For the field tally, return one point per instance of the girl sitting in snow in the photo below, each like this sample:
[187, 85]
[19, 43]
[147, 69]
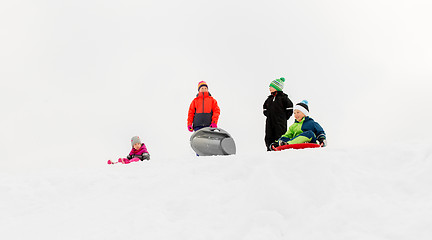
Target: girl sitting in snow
[138, 153]
[139, 150]
[304, 129]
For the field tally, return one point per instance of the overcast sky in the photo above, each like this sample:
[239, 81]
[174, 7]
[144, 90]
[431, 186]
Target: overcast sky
[84, 76]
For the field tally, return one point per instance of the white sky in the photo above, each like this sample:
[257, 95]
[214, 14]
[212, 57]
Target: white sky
[82, 77]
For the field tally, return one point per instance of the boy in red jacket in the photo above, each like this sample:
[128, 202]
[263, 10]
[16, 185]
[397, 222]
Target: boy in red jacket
[204, 110]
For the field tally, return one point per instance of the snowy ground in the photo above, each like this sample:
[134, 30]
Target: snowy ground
[332, 193]
[79, 78]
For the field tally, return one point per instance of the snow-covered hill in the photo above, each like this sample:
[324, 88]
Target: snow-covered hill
[332, 193]
[79, 78]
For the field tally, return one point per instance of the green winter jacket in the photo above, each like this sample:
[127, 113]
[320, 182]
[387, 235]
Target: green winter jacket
[306, 124]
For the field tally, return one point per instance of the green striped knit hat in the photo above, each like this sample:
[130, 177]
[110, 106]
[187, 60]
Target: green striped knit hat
[278, 84]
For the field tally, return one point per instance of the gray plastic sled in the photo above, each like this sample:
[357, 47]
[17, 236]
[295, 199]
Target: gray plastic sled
[212, 141]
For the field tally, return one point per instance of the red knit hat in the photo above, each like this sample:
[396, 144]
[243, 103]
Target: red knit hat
[202, 84]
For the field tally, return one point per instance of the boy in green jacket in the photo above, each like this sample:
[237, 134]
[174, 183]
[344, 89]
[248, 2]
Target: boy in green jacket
[304, 129]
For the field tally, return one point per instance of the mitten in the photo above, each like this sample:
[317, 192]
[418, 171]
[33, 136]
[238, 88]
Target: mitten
[283, 141]
[213, 125]
[190, 128]
[145, 156]
[273, 145]
[323, 142]
[129, 157]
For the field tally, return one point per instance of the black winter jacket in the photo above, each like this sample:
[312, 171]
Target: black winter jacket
[278, 108]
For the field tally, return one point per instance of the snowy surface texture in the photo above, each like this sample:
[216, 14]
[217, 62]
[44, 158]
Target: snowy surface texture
[79, 78]
[331, 193]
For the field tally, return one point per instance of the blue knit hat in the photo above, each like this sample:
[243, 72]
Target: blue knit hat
[278, 84]
[302, 107]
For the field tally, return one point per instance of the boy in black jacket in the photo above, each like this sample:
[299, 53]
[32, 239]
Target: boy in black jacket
[278, 108]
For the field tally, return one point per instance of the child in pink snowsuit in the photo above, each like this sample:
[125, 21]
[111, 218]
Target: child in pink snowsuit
[139, 151]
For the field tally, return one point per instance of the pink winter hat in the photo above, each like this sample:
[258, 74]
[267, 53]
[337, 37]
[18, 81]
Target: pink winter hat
[202, 84]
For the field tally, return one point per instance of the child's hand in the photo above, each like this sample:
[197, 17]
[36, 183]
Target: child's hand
[190, 128]
[213, 125]
[323, 142]
[145, 156]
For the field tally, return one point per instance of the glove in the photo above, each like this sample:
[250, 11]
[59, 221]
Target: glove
[145, 156]
[283, 141]
[273, 145]
[213, 125]
[323, 142]
[190, 128]
[129, 157]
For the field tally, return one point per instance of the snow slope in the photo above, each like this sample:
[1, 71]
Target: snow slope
[332, 193]
[79, 78]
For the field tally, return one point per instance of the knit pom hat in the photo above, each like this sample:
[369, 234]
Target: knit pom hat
[202, 84]
[278, 84]
[302, 107]
[135, 140]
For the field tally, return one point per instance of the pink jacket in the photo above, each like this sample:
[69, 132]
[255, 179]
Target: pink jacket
[140, 151]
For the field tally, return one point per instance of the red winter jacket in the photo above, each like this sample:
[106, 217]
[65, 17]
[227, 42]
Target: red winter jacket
[203, 111]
